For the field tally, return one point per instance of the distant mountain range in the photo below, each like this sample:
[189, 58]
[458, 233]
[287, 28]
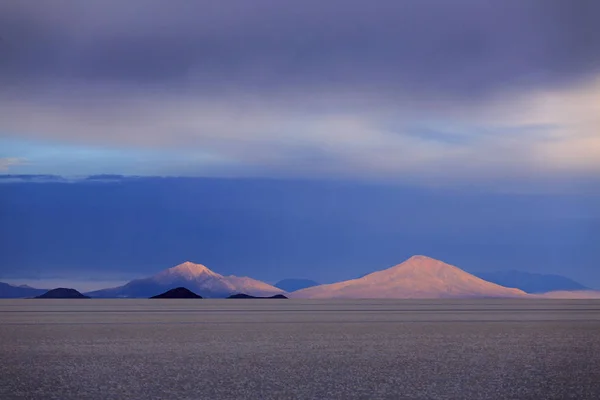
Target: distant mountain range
[417, 277]
[291, 285]
[14, 292]
[530, 282]
[195, 277]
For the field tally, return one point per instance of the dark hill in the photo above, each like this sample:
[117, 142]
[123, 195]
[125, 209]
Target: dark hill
[247, 296]
[177, 293]
[62, 293]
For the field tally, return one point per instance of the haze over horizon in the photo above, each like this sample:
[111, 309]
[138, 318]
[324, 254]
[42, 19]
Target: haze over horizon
[320, 140]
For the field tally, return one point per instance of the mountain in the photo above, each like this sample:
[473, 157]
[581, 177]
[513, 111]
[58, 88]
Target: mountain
[62, 293]
[195, 277]
[418, 277]
[177, 293]
[291, 285]
[247, 296]
[14, 292]
[532, 283]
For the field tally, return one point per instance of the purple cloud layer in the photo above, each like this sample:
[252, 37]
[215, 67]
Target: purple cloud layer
[345, 88]
[464, 48]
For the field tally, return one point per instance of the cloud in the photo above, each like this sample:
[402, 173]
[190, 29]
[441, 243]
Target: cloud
[7, 162]
[394, 90]
[466, 48]
[541, 133]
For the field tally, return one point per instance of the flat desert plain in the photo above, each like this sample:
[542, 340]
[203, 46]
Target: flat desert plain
[299, 349]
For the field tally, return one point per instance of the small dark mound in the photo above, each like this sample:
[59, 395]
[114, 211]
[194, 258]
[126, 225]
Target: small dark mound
[62, 293]
[241, 296]
[177, 293]
[277, 296]
[247, 296]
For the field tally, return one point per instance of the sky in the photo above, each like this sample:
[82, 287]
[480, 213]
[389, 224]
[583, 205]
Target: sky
[464, 104]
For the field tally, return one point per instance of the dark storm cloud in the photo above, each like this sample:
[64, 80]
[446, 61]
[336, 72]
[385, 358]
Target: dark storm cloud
[372, 90]
[463, 48]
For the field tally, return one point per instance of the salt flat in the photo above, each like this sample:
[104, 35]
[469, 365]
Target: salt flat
[300, 349]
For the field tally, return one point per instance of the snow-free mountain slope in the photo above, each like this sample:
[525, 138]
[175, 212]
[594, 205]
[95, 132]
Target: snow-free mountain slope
[196, 277]
[417, 277]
